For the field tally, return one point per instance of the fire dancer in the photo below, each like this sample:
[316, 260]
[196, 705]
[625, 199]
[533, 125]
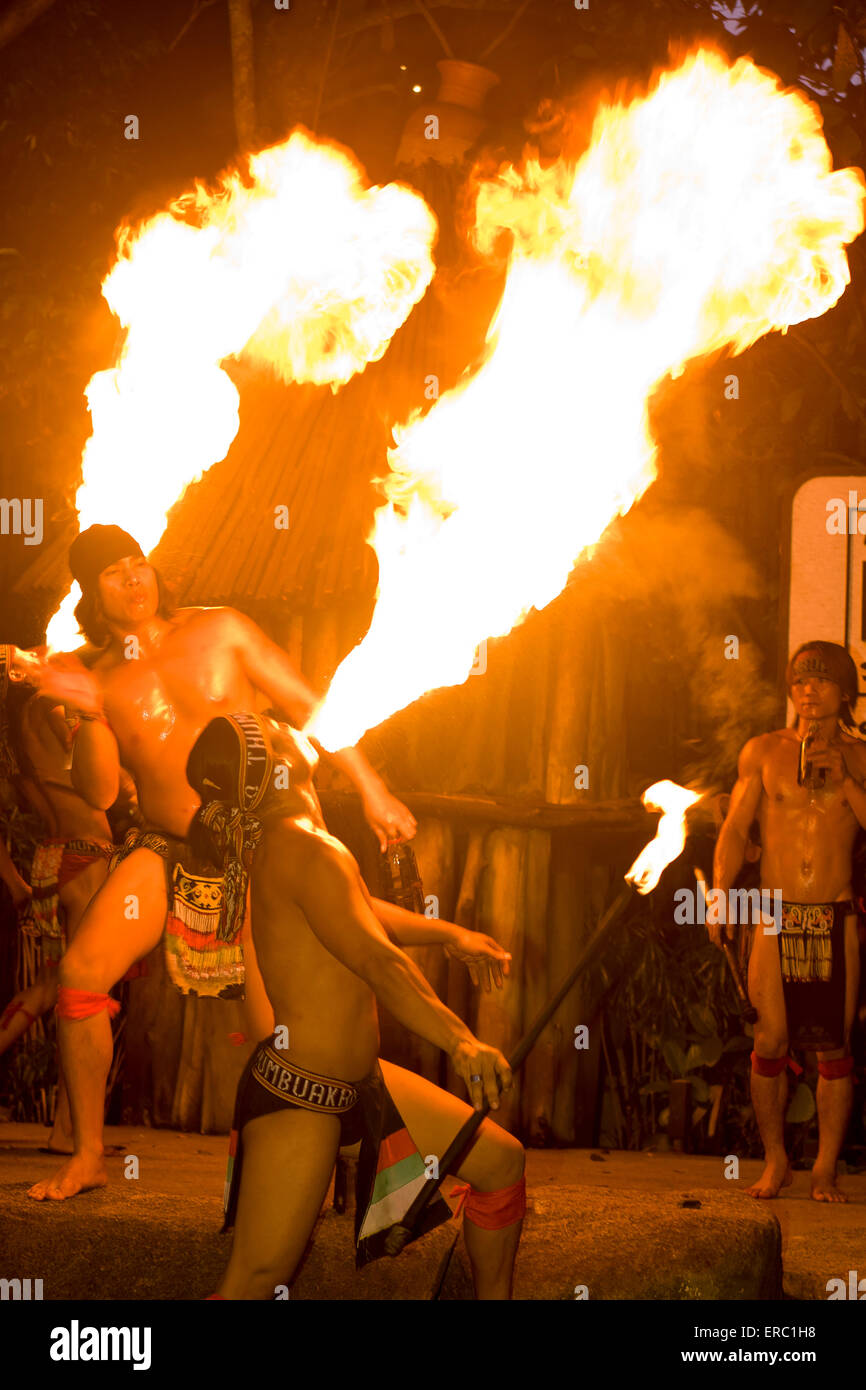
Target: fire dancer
[806, 786]
[317, 1083]
[69, 865]
[155, 679]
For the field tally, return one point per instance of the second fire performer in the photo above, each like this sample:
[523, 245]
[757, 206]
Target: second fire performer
[806, 787]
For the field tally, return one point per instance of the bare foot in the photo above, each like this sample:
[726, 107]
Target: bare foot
[82, 1172]
[824, 1187]
[63, 1144]
[776, 1174]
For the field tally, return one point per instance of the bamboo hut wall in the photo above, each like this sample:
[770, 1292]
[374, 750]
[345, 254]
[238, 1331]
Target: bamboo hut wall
[550, 700]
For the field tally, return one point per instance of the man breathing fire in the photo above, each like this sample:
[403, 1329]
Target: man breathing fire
[155, 679]
[806, 787]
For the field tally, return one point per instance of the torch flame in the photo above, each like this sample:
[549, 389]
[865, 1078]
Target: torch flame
[297, 265]
[705, 214]
[673, 801]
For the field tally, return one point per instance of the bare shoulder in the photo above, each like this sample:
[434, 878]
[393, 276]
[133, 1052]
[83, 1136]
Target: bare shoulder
[218, 620]
[755, 753]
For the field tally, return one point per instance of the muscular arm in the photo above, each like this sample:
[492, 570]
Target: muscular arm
[18, 886]
[855, 795]
[333, 903]
[96, 764]
[269, 669]
[409, 928]
[734, 834]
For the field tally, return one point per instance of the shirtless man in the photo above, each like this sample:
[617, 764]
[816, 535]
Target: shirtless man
[68, 866]
[324, 947]
[156, 678]
[806, 786]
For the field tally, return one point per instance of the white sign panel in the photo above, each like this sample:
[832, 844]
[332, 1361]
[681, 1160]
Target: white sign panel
[828, 566]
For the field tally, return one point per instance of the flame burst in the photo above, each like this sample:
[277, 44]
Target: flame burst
[703, 215]
[673, 801]
[295, 264]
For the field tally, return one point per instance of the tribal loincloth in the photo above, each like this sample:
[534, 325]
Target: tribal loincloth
[391, 1170]
[203, 951]
[812, 956]
[56, 863]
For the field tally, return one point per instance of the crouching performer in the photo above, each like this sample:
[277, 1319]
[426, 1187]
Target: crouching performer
[153, 678]
[806, 787]
[326, 953]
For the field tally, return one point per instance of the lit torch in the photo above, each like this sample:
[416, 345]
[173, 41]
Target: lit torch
[670, 838]
[673, 801]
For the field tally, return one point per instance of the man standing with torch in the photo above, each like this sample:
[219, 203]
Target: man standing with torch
[156, 678]
[805, 785]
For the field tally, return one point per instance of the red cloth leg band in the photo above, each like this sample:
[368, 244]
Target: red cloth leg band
[492, 1211]
[768, 1066]
[773, 1066]
[82, 1003]
[836, 1068]
[238, 1039]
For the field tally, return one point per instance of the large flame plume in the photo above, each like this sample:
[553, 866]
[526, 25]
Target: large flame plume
[670, 838]
[294, 263]
[703, 215]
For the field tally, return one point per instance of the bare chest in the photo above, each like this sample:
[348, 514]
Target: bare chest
[170, 695]
[785, 796]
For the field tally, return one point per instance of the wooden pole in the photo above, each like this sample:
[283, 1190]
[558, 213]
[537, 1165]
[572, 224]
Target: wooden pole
[401, 1232]
[243, 71]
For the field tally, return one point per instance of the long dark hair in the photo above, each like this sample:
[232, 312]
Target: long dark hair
[91, 618]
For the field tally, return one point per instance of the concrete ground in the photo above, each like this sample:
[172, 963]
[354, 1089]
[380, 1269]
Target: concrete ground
[603, 1226]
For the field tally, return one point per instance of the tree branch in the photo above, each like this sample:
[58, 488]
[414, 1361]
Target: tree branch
[20, 17]
[819, 357]
[326, 65]
[198, 8]
[243, 71]
[409, 7]
[506, 31]
[449, 52]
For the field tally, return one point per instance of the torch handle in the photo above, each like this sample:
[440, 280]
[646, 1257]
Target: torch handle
[460, 1144]
[747, 1008]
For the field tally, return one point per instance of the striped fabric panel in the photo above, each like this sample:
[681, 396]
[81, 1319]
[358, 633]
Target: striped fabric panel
[391, 1208]
[400, 1172]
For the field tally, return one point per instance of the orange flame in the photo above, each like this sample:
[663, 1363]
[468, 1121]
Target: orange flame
[673, 801]
[297, 265]
[705, 214]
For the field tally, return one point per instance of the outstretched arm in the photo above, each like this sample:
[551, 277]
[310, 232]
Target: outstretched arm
[18, 886]
[270, 670]
[327, 886]
[95, 759]
[483, 957]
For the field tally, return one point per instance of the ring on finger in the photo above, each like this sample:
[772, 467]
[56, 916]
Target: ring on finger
[475, 1078]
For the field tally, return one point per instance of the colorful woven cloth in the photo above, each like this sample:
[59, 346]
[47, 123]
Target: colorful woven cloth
[812, 957]
[390, 1169]
[200, 957]
[56, 863]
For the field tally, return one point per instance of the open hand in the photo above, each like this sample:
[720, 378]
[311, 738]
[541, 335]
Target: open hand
[72, 685]
[483, 957]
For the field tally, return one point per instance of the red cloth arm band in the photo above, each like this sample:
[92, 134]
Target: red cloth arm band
[82, 1003]
[492, 1211]
[836, 1068]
